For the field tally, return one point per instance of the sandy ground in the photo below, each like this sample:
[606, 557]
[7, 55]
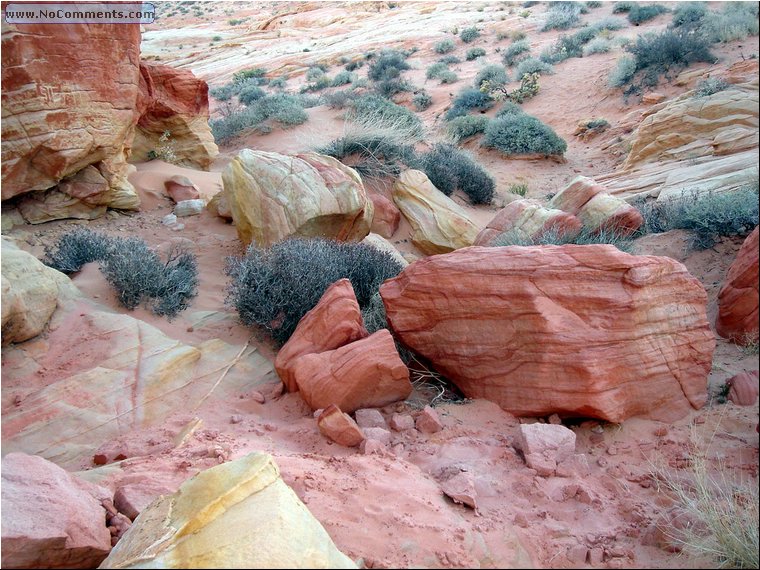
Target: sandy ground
[387, 510]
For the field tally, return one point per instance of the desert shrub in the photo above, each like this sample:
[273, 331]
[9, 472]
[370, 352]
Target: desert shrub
[736, 21]
[275, 287]
[533, 65]
[689, 14]
[641, 13]
[553, 237]
[281, 108]
[470, 34]
[376, 108]
[514, 50]
[710, 86]
[339, 99]
[670, 49]
[223, 93]
[509, 108]
[562, 16]
[444, 46]
[353, 65]
[435, 70]
[422, 101]
[708, 215]
[610, 23]
[314, 73]
[388, 65]
[593, 4]
[278, 83]
[390, 87]
[75, 249]
[523, 134]
[467, 99]
[475, 53]
[448, 76]
[597, 45]
[623, 7]
[450, 60]
[251, 94]
[343, 78]
[450, 168]
[462, 127]
[623, 73]
[495, 75]
[519, 189]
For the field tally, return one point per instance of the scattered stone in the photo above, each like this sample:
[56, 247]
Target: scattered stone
[370, 417]
[378, 434]
[131, 499]
[744, 388]
[596, 555]
[401, 422]
[258, 397]
[577, 554]
[554, 419]
[236, 418]
[339, 427]
[181, 188]
[188, 208]
[169, 220]
[428, 421]
[461, 489]
[545, 446]
[372, 446]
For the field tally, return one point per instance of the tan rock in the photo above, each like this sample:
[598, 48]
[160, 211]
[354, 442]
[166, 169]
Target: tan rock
[738, 298]
[573, 330]
[236, 515]
[53, 129]
[366, 373]
[173, 101]
[744, 388]
[335, 321]
[439, 225]
[529, 220]
[339, 427]
[386, 217]
[273, 196]
[595, 208]
[382, 244]
[219, 206]
[30, 293]
[51, 519]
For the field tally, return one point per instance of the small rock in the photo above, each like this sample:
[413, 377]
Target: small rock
[339, 427]
[596, 555]
[372, 446]
[461, 489]
[577, 554]
[401, 422]
[236, 418]
[428, 421]
[258, 397]
[378, 434]
[545, 446]
[181, 188]
[169, 220]
[370, 417]
[554, 419]
[188, 208]
[100, 459]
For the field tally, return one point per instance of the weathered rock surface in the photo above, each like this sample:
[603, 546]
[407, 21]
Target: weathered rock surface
[65, 108]
[528, 219]
[545, 446]
[240, 514]
[174, 101]
[382, 244]
[366, 373]
[370, 418]
[428, 421]
[51, 519]
[738, 297]
[339, 427]
[595, 208]
[335, 321]
[574, 330]
[131, 499]
[439, 225]
[273, 196]
[30, 292]
[386, 217]
[181, 188]
[461, 489]
[744, 388]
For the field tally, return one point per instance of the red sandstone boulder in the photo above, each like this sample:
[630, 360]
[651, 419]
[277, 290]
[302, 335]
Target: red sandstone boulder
[335, 321]
[51, 519]
[545, 446]
[743, 388]
[173, 101]
[181, 188]
[367, 373]
[339, 427]
[386, 217]
[738, 298]
[530, 220]
[584, 331]
[596, 208]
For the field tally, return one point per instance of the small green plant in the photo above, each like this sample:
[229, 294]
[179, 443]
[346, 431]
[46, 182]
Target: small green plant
[554, 236]
[689, 14]
[387, 65]
[444, 46]
[278, 83]
[623, 7]
[512, 53]
[623, 73]
[470, 34]
[597, 45]
[448, 77]
[282, 108]
[450, 168]
[475, 53]
[250, 94]
[495, 75]
[641, 13]
[245, 74]
[523, 134]
[533, 65]
[422, 101]
[710, 86]
[466, 126]
[562, 16]
[519, 189]
[216, 39]
[165, 149]
[467, 99]
[735, 21]
[343, 78]
[435, 70]
[450, 60]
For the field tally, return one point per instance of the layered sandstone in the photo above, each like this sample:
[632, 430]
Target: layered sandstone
[738, 298]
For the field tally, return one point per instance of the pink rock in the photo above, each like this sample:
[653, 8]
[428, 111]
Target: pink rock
[365, 373]
[738, 298]
[545, 446]
[530, 219]
[335, 321]
[387, 216]
[461, 489]
[339, 427]
[371, 446]
[744, 388]
[401, 422]
[370, 417]
[181, 188]
[574, 330]
[51, 519]
[428, 421]
[132, 498]
[653, 98]
[378, 434]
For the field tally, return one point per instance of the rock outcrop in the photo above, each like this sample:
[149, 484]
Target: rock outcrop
[30, 292]
[386, 217]
[240, 514]
[51, 519]
[439, 225]
[596, 208]
[738, 298]
[65, 108]
[274, 196]
[574, 330]
[743, 388]
[173, 101]
[528, 220]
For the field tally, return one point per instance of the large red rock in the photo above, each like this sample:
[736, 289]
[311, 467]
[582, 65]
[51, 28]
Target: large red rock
[68, 101]
[387, 216]
[584, 331]
[173, 101]
[367, 373]
[51, 519]
[333, 322]
[529, 219]
[738, 298]
[743, 388]
[596, 208]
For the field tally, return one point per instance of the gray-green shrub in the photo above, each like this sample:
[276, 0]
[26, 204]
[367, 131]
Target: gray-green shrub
[450, 168]
[470, 34]
[435, 70]
[562, 16]
[533, 65]
[466, 126]
[475, 53]
[597, 45]
[388, 65]
[641, 13]
[514, 50]
[444, 46]
[516, 134]
[496, 76]
[75, 249]
[554, 237]
[422, 101]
